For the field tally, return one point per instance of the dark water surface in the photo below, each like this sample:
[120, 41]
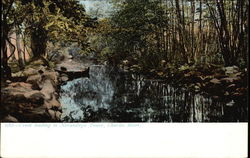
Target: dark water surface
[112, 96]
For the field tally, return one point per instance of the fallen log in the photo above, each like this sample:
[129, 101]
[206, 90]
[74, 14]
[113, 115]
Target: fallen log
[74, 74]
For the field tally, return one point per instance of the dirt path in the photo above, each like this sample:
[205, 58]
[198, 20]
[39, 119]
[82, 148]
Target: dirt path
[72, 64]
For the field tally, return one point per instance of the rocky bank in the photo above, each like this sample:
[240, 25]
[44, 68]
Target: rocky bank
[223, 83]
[32, 95]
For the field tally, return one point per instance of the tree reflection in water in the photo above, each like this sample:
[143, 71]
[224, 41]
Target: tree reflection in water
[112, 96]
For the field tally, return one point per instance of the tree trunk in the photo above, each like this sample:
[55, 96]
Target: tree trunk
[39, 42]
[19, 50]
[5, 69]
[192, 31]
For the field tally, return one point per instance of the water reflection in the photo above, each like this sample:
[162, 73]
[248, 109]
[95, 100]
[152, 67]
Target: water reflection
[112, 96]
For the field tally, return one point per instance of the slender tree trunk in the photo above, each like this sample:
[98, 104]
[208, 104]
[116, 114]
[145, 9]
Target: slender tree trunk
[19, 50]
[181, 30]
[192, 37]
[5, 69]
[200, 52]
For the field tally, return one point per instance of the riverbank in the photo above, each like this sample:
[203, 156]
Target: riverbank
[222, 83]
[32, 95]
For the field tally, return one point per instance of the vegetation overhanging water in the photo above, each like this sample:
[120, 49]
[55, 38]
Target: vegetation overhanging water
[109, 95]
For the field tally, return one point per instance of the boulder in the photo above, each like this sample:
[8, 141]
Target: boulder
[30, 71]
[52, 75]
[35, 97]
[231, 85]
[226, 93]
[9, 118]
[48, 89]
[70, 57]
[52, 114]
[231, 70]
[231, 103]
[58, 115]
[184, 68]
[35, 80]
[20, 84]
[230, 79]
[22, 92]
[8, 81]
[215, 81]
[28, 103]
[52, 103]
[64, 78]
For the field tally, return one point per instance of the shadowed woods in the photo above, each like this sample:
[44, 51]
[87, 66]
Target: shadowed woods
[124, 61]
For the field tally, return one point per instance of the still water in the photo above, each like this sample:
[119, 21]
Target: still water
[109, 95]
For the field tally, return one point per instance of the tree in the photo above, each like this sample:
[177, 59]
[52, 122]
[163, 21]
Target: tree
[8, 23]
[181, 31]
[55, 20]
[230, 21]
[137, 34]
[42, 21]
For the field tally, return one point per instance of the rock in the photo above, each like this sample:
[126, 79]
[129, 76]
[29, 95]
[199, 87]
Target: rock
[40, 72]
[48, 89]
[231, 103]
[160, 73]
[226, 93]
[17, 74]
[34, 79]
[70, 57]
[105, 63]
[152, 70]
[51, 75]
[19, 87]
[241, 90]
[31, 99]
[215, 81]
[64, 78]
[163, 62]
[230, 79]
[231, 70]
[215, 97]
[184, 68]
[198, 84]
[237, 74]
[125, 62]
[36, 63]
[23, 93]
[205, 78]
[8, 81]
[30, 71]
[52, 103]
[63, 68]
[52, 114]
[237, 94]
[35, 97]
[196, 87]
[9, 118]
[58, 115]
[231, 86]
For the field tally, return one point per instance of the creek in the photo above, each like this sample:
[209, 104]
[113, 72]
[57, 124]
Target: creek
[111, 95]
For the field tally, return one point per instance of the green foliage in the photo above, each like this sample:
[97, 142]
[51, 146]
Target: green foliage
[179, 32]
[53, 20]
[60, 20]
[136, 26]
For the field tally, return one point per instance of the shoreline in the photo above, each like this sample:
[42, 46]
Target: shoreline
[35, 97]
[32, 95]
